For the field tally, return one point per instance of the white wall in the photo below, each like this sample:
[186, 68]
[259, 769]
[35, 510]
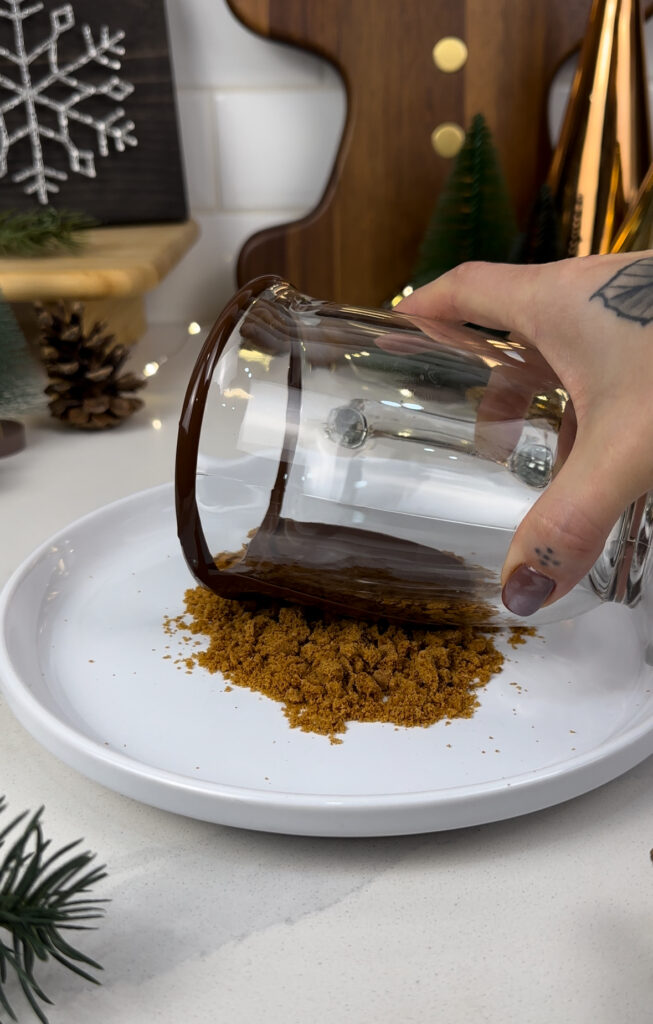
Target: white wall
[260, 124]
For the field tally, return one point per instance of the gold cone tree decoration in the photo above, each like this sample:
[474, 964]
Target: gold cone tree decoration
[604, 150]
[636, 232]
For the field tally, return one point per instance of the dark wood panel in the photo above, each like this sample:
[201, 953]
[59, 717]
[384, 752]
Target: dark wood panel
[142, 183]
[359, 244]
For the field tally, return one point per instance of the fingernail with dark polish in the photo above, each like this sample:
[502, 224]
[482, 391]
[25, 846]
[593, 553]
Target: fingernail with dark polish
[526, 590]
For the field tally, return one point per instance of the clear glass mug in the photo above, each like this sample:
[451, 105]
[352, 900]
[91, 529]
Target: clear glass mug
[374, 463]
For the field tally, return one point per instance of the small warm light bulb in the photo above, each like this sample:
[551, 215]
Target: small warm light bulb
[194, 327]
[150, 369]
[157, 424]
[406, 392]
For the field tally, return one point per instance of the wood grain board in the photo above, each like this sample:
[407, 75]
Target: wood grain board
[115, 262]
[110, 275]
[359, 244]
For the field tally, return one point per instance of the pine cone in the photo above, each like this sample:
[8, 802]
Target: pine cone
[84, 366]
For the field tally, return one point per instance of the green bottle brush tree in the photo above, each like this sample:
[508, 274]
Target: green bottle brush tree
[473, 218]
[21, 378]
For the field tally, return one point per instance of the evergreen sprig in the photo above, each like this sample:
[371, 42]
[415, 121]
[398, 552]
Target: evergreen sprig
[42, 894]
[41, 232]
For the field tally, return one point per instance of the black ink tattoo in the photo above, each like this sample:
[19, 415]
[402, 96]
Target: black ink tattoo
[545, 556]
[629, 293]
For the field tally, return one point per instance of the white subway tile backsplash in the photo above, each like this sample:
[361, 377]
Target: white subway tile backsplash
[198, 146]
[211, 48]
[276, 149]
[199, 286]
[216, 59]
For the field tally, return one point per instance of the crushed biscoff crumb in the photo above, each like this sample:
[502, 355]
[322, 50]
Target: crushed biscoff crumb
[328, 671]
[518, 635]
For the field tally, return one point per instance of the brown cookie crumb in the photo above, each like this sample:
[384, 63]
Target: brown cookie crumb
[328, 671]
[519, 634]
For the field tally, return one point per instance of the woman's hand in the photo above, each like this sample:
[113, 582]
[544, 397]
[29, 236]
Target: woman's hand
[592, 320]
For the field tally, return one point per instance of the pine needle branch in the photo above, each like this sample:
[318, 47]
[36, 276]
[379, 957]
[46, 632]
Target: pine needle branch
[42, 232]
[43, 894]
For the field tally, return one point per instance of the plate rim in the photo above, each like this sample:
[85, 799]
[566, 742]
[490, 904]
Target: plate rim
[629, 746]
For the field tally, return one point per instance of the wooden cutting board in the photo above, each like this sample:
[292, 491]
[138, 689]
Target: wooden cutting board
[360, 243]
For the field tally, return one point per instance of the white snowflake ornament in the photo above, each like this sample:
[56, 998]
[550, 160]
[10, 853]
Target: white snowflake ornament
[57, 92]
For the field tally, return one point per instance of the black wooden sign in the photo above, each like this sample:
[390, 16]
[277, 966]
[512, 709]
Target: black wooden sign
[87, 111]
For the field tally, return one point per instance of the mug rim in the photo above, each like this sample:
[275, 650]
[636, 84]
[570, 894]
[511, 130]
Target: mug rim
[196, 551]
[189, 526]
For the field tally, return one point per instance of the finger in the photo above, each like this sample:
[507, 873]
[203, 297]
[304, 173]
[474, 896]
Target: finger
[423, 334]
[496, 295]
[564, 533]
[566, 436]
[503, 408]
[405, 344]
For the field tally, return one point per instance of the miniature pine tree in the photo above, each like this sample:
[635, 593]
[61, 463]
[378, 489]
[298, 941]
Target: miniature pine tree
[21, 383]
[541, 241]
[473, 218]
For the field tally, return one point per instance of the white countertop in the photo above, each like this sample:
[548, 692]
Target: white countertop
[545, 918]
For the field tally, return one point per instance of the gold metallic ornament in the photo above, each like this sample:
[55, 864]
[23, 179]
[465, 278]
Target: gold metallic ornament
[447, 138]
[636, 232]
[450, 54]
[604, 150]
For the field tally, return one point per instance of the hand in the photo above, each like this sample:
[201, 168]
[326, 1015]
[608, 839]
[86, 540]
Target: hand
[591, 318]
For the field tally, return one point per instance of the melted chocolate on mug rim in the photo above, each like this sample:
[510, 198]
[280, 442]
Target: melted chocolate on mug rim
[313, 563]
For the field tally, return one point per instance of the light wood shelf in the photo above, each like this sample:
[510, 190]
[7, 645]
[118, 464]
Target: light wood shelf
[110, 274]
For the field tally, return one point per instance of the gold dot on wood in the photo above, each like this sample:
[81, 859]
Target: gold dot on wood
[450, 54]
[447, 138]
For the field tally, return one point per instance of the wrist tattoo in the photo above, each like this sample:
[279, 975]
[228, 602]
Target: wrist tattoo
[629, 293]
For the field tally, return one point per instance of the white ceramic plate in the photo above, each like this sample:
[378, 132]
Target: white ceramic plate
[82, 665]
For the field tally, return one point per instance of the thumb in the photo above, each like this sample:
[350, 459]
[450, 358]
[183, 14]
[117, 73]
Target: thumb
[564, 533]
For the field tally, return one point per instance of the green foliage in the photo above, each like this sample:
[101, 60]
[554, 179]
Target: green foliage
[41, 232]
[541, 241]
[21, 380]
[42, 894]
[473, 218]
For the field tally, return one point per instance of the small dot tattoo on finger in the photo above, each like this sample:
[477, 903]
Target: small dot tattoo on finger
[546, 557]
